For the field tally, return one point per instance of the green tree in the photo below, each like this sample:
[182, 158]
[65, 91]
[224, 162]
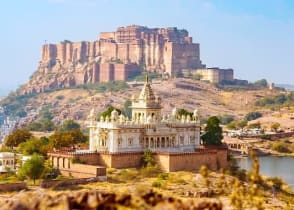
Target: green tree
[47, 125]
[34, 126]
[213, 132]
[108, 111]
[275, 126]
[225, 119]
[21, 113]
[46, 114]
[33, 145]
[16, 137]
[184, 112]
[242, 124]
[254, 125]
[33, 168]
[68, 125]
[127, 109]
[67, 138]
[260, 83]
[148, 159]
[252, 116]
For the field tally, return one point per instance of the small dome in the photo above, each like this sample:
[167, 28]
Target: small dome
[174, 111]
[195, 113]
[114, 114]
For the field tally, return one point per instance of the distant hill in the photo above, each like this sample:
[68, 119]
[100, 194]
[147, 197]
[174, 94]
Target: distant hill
[286, 86]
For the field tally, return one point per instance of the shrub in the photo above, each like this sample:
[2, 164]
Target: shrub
[163, 176]
[60, 97]
[225, 119]
[157, 184]
[150, 171]
[280, 147]
[252, 116]
[276, 182]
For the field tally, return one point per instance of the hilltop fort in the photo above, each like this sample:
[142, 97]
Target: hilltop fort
[115, 56]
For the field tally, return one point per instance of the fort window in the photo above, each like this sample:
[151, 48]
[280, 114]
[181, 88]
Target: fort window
[119, 142]
[130, 141]
[141, 142]
[192, 139]
[0, 162]
[181, 140]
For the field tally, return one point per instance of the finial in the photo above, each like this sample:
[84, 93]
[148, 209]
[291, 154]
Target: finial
[147, 78]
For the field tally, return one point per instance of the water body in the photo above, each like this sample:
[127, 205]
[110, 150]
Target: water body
[282, 167]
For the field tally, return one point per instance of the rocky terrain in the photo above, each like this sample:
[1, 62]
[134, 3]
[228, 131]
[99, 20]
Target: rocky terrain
[103, 200]
[76, 103]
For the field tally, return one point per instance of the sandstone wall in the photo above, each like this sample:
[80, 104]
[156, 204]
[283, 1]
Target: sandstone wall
[128, 160]
[64, 163]
[4, 187]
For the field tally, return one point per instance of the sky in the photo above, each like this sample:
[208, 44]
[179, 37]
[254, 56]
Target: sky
[255, 38]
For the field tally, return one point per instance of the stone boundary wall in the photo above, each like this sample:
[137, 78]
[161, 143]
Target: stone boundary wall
[4, 187]
[67, 182]
[63, 161]
[214, 158]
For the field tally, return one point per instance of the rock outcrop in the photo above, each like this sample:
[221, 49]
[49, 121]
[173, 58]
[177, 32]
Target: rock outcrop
[102, 200]
[114, 56]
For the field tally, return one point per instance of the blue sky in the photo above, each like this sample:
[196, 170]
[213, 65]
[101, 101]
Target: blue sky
[255, 37]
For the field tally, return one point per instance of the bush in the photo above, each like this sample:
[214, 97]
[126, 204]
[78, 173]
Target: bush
[225, 119]
[252, 116]
[59, 97]
[150, 171]
[157, 184]
[280, 147]
[276, 182]
[163, 176]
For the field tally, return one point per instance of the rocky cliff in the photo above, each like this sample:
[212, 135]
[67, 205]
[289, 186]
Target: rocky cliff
[114, 56]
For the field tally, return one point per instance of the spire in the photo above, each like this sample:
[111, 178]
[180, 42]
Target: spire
[147, 92]
[147, 78]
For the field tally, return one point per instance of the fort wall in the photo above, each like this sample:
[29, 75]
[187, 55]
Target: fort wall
[213, 158]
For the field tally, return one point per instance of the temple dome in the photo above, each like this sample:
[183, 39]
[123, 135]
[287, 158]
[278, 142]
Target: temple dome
[147, 93]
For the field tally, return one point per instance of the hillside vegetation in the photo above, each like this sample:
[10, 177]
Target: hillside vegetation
[76, 103]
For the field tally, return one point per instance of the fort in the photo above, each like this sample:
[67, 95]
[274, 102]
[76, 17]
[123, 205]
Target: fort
[115, 56]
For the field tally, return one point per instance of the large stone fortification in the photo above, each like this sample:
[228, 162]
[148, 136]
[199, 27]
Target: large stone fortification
[114, 56]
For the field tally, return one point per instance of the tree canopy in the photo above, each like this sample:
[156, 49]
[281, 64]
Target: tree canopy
[16, 137]
[108, 111]
[184, 112]
[33, 168]
[34, 145]
[127, 109]
[252, 116]
[67, 138]
[68, 125]
[213, 135]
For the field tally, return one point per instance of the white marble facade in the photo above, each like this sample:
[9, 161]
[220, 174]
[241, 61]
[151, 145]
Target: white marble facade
[147, 129]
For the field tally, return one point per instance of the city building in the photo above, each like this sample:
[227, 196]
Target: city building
[7, 162]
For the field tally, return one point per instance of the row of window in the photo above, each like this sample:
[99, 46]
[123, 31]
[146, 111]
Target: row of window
[6, 162]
